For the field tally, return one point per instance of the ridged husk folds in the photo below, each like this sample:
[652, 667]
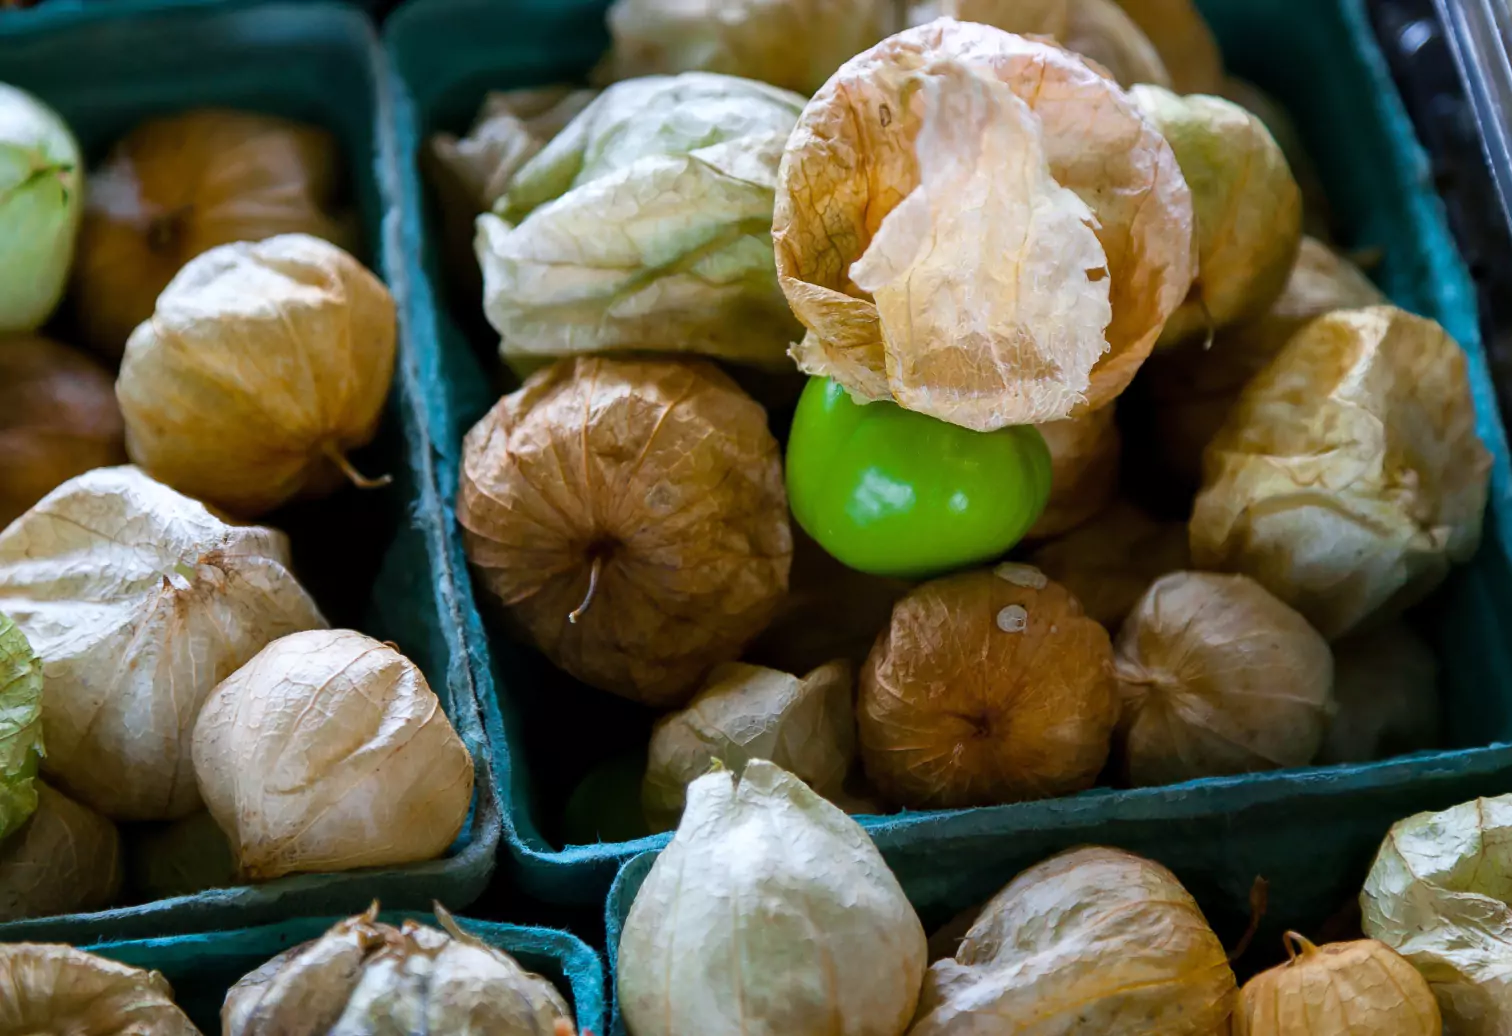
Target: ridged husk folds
[178, 186]
[1348, 477]
[1109, 563]
[932, 189]
[140, 601]
[1186, 44]
[986, 687]
[1386, 689]
[58, 989]
[263, 365]
[1091, 941]
[1219, 677]
[20, 725]
[1084, 455]
[66, 859]
[329, 751]
[661, 479]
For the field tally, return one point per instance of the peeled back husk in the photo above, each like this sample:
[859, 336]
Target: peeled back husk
[58, 989]
[20, 725]
[804, 725]
[770, 913]
[1091, 941]
[329, 751]
[262, 367]
[66, 859]
[1084, 455]
[1104, 32]
[1109, 563]
[1348, 477]
[1385, 684]
[41, 193]
[140, 601]
[1186, 44]
[924, 163]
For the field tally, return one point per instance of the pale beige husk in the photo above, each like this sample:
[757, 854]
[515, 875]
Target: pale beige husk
[329, 751]
[771, 913]
[662, 474]
[1084, 455]
[1438, 894]
[261, 368]
[1361, 988]
[1091, 941]
[986, 687]
[1217, 677]
[934, 187]
[1108, 563]
[805, 725]
[1317, 213]
[139, 601]
[1386, 687]
[1348, 477]
[1248, 206]
[58, 989]
[65, 860]
[1104, 32]
[1186, 44]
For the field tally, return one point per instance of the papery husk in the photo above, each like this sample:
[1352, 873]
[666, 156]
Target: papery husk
[987, 687]
[1249, 209]
[41, 196]
[1348, 477]
[1084, 455]
[20, 725]
[262, 367]
[771, 912]
[1104, 32]
[58, 419]
[660, 477]
[181, 858]
[66, 859]
[1186, 45]
[1093, 940]
[1109, 563]
[1359, 988]
[982, 145]
[58, 989]
[178, 186]
[1438, 894]
[140, 601]
[645, 226]
[1218, 677]
[805, 725]
[329, 751]
[1025, 17]
[1385, 684]
[1317, 213]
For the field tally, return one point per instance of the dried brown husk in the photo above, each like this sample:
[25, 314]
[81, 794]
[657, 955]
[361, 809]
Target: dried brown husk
[65, 860]
[1104, 32]
[987, 687]
[1386, 686]
[1317, 214]
[262, 367]
[1217, 677]
[178, 186]
[1109, 563]
[1348, 477]
[1084, 454]
[924, 162]
[1093, 940]
[631, 517]
[1185, 42]
[58, 419]
[58, 989]
[1362, 988]
[805, 725]
[327, 752]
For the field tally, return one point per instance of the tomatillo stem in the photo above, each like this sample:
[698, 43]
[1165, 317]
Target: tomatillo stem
[593, 581]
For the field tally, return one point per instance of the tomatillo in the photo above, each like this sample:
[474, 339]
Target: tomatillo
[896, 493]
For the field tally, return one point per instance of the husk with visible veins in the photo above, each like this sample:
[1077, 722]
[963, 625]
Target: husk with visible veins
[1093, 940]
[21, 743]
[1185, 43]
[959, 164]
[1386, 687]
[1218, 677]
[961, 706]
[65, 860]
[1084, 454]
[1104, 32]
[140, 601]
[1317, 213]
[664, 477]
[262, 366]
[1348, 477]
[329, 751]
[58, 989]
[1108, 563]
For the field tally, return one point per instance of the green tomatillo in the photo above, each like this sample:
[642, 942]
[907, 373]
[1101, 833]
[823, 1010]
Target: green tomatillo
[897, 493]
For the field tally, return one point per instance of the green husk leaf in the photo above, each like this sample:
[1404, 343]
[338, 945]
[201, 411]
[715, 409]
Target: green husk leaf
[20, 726]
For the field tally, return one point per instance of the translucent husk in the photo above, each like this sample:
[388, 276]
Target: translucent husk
[41, 192]
[65, 860]
[58, 989]
[1348, 477]
[262, 367]
[182, 858]
[1185, 43]
[329, 751]
[986, 687]
[1084, 454]
[1091, 941]
[1385, 684]
[771, 912]
[1219, 677]
[1109, 563]
[20, 725]
[140, 600]
[631, 517]
[968, 145]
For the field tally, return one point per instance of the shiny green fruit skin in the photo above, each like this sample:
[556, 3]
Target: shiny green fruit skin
[895, 493]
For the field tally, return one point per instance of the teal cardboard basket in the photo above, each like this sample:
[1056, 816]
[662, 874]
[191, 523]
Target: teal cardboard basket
[1319, 58]
[377, 561]
[201, 968]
